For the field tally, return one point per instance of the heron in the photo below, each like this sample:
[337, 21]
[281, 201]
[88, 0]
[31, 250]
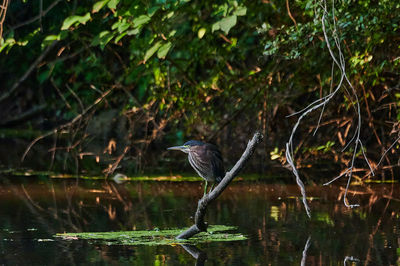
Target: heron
[206, 160]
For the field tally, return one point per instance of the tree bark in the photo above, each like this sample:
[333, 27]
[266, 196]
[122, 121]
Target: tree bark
[200, 225]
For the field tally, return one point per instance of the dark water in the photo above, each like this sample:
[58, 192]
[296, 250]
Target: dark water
[271, 215]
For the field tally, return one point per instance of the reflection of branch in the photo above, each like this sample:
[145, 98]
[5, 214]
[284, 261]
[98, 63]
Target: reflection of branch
[200, 225]
[303, 259]
[350, 258]
[196, 253]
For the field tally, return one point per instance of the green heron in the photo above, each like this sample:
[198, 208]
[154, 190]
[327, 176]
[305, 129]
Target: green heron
[206, 159]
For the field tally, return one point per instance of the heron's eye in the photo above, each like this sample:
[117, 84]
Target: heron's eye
[187, 146]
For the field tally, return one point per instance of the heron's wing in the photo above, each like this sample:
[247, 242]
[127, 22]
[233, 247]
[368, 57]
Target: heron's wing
[199, 162]
[217, 163]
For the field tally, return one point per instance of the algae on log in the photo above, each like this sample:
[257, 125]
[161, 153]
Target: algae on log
[217, 233]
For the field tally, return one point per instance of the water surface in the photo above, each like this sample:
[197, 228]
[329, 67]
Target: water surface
[33, 209]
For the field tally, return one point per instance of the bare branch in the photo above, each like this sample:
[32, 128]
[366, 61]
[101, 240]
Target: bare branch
[3, 12]
[339, 61]
[73, 121]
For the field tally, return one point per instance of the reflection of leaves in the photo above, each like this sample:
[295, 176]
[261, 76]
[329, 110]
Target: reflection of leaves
[324, 217]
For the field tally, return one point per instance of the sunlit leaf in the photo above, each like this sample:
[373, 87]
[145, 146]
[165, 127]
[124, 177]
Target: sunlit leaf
[215, 27]
[113, 4]
[201, 33]
[152, 50]
[240, 11]
[99, 5]
[227, 23]
[141, 20]
[163, 51]
[49, 39]
[119, 37]
[71, 20]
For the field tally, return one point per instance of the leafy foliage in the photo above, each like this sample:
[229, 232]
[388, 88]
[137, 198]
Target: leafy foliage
[190, 68]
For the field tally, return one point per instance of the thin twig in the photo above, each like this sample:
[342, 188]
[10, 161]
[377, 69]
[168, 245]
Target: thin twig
[3, 12]
[290, 13]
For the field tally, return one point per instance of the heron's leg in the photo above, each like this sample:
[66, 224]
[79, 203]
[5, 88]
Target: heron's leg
[205, 188]
[212, 187]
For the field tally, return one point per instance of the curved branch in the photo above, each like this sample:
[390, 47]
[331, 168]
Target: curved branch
[200, 225]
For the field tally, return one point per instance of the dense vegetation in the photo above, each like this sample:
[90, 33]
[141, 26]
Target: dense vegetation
[141, 75]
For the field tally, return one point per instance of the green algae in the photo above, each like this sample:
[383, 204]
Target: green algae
[216, 233]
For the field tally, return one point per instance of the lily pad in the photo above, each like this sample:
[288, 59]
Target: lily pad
[156, 236]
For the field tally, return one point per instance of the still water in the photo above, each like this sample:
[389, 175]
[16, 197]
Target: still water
[279, 232]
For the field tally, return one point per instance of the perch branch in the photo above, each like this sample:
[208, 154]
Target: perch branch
[200, 225]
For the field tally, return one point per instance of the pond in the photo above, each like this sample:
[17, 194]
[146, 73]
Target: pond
[271, 216]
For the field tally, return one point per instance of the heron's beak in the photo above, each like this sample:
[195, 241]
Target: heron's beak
[183, 148]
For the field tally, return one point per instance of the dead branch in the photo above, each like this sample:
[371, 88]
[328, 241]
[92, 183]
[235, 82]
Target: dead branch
[200, 225]
[339, 62]
[3, 11]
[58, 129]
[290, 13]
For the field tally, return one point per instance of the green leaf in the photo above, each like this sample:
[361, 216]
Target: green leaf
[141, 20]
[215, 27]
[102, 39]
[240, 11]
[152, 10]
[99, 5]
[133, 32]
[121, 25]
[71, 20]
[163, 51]
[201, 33]
[227, 23]
[7, 43]
[49, 39]
[113, 4]
[152, 50]
[119, 37]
